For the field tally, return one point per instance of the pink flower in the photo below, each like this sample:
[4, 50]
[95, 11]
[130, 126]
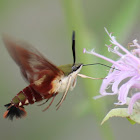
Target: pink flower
[124, 79]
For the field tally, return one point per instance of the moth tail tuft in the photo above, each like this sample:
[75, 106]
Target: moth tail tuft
[13, 111]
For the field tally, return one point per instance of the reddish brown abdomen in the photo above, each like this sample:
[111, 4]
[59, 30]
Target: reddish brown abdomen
[27, 96]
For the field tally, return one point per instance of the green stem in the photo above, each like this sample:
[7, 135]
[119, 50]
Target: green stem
[73, 13]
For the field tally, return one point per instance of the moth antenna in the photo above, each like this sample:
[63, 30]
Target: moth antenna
[73, 47]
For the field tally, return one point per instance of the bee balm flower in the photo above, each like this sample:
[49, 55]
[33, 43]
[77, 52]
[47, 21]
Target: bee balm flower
[123, 78]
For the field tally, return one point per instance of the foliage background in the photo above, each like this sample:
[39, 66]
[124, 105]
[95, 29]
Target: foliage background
[48, 26]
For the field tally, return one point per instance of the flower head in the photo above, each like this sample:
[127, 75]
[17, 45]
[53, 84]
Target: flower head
[124, 76]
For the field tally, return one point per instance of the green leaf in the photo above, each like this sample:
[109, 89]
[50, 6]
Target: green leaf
[131, 121]
[117, 112]
[123, 112]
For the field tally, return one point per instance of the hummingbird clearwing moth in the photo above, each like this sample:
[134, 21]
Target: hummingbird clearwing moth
[45, 79]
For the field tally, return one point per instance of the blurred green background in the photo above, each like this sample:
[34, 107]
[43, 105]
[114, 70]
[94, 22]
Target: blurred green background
[48, 25]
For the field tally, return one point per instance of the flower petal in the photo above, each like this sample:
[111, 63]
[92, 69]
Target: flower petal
[133, 101]
[106, 82]
[124, 90]
[123, 75]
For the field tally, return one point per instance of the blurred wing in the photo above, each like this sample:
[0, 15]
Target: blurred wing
[32, 64]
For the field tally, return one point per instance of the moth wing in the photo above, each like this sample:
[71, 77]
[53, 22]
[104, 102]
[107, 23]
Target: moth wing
[32, 63]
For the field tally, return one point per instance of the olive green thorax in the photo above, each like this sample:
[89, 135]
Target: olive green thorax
[69, 68]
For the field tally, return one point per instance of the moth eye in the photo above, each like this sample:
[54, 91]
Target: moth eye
[74, 68]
